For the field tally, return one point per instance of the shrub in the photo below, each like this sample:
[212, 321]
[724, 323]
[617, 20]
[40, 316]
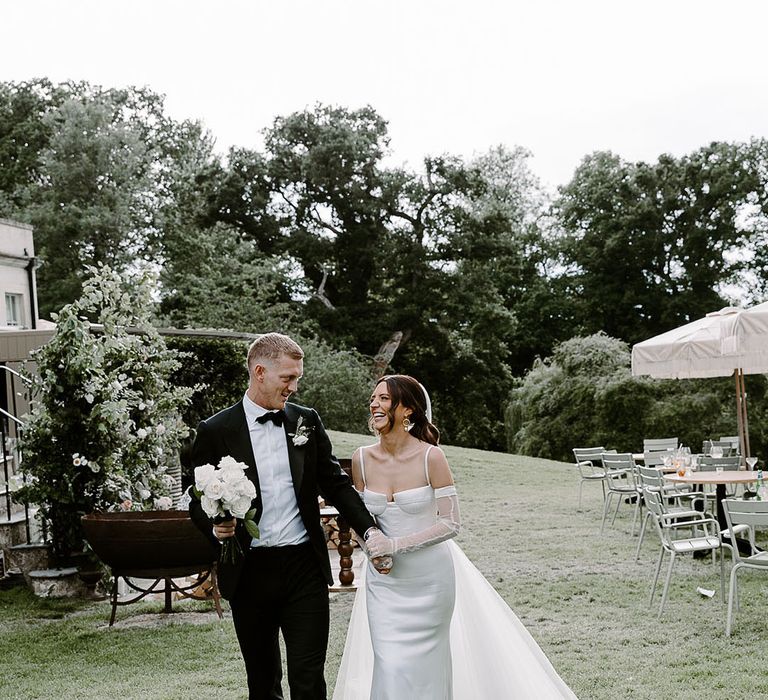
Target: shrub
[585, 395]
[105, 424]
[338, 383]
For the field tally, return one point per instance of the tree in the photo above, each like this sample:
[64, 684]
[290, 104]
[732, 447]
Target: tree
[648, 247]
[24, 133]
[216, 279]
[89, 169]
[439, 258]
[332, 197]
[512, 242]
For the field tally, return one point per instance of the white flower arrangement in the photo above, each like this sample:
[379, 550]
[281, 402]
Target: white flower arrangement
[226, 492]
[93, 435]
[301, 436]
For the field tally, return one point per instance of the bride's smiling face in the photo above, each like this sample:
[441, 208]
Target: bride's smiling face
[383, 416]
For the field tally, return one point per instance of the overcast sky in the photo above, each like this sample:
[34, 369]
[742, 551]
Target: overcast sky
[561, 78]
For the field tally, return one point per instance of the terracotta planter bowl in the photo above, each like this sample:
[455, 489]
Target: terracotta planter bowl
[149, 544]
[162, 545]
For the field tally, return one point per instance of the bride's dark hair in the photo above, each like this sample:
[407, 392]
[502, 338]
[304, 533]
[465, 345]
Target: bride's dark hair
[404, 389]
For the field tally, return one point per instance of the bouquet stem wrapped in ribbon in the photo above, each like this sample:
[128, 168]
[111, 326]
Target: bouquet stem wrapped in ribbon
[225, 492]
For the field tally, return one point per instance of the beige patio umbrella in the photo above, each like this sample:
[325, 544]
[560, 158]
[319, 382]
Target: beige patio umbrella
[731, 341]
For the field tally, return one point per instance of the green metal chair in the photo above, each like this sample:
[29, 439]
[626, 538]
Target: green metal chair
[620, 482]
[590, 465]
[734, 442]
[741, 513]
[668, 528]
[676, 502]
[660, 444]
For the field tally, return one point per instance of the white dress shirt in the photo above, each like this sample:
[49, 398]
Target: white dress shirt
[280, 522]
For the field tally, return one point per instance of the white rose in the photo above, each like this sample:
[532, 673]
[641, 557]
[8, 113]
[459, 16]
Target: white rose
[231, 464]
[240, 507]
[144, 494]
[214, 489]
[160, 429]
[204, 475]
[141, 433]
[210, 507]
[300, 440]
[90, 398]
[248, 488]
[229, 492]
[142, 406]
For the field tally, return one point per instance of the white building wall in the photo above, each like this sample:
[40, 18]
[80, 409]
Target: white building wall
[17, 253]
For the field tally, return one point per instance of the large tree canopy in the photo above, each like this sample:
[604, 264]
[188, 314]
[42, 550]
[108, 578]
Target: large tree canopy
[460, 268]
[91, 170]
[648, 247]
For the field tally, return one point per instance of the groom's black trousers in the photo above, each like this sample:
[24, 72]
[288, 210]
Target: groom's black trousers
[282, 588]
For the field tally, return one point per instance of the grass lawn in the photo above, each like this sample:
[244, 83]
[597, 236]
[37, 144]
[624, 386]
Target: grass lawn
[581, 595]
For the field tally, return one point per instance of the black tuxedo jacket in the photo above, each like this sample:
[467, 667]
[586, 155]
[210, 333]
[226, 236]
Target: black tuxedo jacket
[314, 470]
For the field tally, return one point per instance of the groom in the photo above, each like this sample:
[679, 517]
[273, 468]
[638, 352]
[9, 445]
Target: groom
[281, 581]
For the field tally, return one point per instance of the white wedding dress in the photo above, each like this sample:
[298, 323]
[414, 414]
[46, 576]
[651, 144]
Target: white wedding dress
[434, 628]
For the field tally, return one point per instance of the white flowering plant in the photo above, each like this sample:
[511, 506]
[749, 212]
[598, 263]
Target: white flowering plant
[225, 492]
[105, 425]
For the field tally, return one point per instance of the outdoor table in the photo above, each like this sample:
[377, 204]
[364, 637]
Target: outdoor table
[719, 479]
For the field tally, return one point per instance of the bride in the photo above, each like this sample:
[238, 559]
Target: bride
[431, 627]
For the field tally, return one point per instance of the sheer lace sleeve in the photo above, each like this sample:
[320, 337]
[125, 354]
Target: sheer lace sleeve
[446, 527]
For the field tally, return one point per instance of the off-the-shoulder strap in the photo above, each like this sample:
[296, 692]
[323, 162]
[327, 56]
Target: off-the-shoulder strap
[426, 464]
[362, 465]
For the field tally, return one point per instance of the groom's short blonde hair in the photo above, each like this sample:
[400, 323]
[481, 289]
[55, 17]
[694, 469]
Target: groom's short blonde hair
[272, 346]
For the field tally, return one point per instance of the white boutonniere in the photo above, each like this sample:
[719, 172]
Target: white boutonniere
[301, 436]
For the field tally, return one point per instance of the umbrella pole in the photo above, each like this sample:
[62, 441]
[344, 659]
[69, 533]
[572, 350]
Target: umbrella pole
[739, 414]
[744, 421]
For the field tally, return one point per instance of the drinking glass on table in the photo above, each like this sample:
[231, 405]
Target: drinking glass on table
[751, 463]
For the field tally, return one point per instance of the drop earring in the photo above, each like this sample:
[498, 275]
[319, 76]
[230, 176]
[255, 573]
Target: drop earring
[407, 425]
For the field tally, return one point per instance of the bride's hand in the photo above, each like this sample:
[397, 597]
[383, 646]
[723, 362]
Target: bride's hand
[379, 545]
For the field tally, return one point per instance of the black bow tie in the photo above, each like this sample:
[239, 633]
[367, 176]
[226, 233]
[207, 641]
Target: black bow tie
[277, 417]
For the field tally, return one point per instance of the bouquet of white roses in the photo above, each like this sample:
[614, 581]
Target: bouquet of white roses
[225, 492]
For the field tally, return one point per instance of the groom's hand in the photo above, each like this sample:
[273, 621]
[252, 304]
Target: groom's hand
[224, 529]
[382, 564]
